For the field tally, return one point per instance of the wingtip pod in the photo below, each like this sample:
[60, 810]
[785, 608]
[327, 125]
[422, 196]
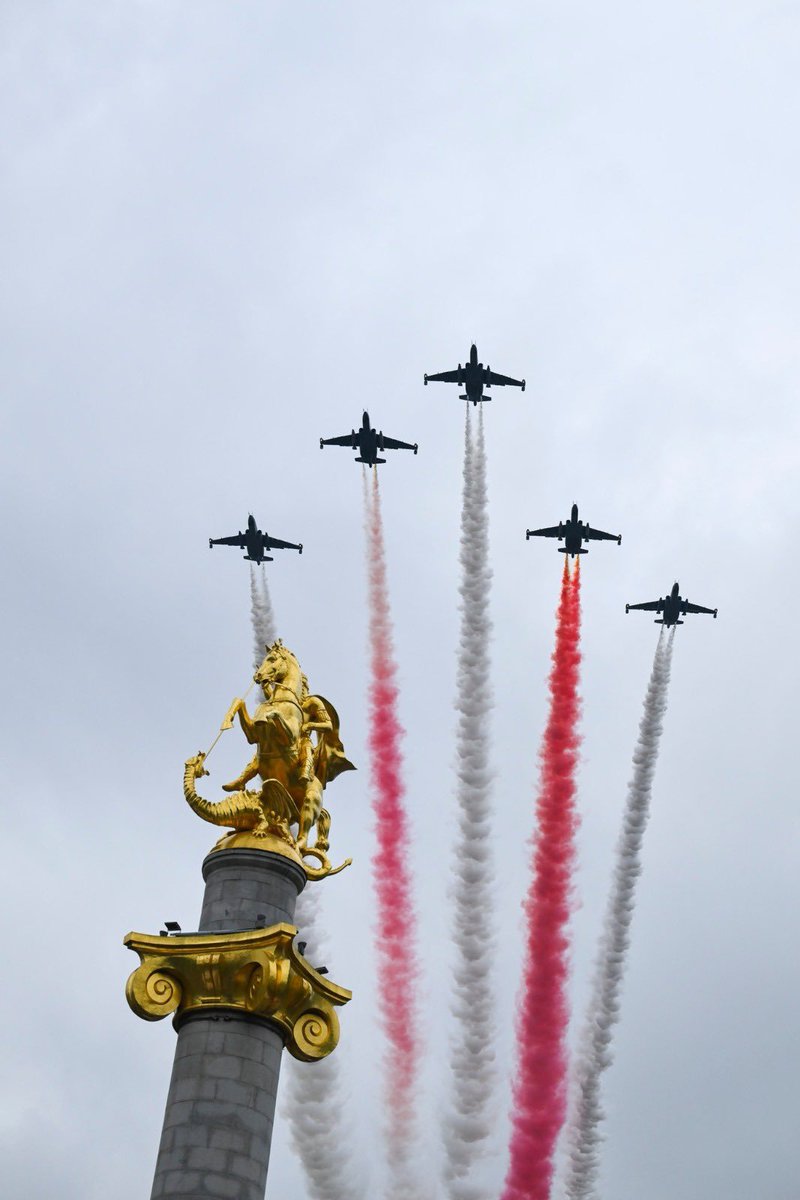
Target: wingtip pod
[425, 380]
[523, 385]
[211, 543]
[321, 444]
[528, 535]
[416, 447]
[627, 608]
[716, 610]
[619, 539]
[300, 548]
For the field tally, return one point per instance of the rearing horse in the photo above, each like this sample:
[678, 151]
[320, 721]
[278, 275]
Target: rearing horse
[276, 727]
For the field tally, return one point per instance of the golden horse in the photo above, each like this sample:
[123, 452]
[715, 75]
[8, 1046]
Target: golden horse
[283, 730]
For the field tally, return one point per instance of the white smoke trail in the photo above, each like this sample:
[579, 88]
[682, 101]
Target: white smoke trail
[262, 615]
[595, 1054]
[317, 1100]
[471, 1114]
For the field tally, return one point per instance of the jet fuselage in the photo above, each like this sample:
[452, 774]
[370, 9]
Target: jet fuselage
[369, 442]
[573, 538]
[254, 544]
[672, 608]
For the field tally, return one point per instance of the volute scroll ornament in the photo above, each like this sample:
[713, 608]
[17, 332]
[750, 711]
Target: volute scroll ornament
[258, 973]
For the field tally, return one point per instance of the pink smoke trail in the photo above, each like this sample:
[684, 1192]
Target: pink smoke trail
[396, 933]
[540, 1086]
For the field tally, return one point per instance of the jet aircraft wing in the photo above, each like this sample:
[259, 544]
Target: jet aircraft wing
[649, 606]
[552, 531]
[688, 607]
[238, 539]
[444, 377]
[598, 535]
[347, 439]
[492, 377]
[394, 444]
[272, 543]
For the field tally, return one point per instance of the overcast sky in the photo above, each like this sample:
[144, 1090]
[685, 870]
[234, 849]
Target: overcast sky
[229, 227]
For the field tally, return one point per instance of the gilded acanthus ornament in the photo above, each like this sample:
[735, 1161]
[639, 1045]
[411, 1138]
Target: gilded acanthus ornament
[298, 752]
[258, 973]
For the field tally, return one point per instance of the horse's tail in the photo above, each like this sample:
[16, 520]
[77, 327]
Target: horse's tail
[323, 830]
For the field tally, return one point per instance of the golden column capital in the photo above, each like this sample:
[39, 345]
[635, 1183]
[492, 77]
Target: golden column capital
[256, 973]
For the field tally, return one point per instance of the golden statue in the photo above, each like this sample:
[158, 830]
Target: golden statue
[298, 752]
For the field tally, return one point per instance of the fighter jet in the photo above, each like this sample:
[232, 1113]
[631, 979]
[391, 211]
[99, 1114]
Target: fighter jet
[368, 441]
[573, 532]
[474, 376]
[672, 608]
[255, 542]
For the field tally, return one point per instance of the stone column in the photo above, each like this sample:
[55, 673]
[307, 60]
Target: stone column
[241, 992]
[221, 1103]
[220, 1108]
[246, 889]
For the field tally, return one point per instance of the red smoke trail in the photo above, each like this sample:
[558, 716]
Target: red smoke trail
[540, 1087]
[396, 918]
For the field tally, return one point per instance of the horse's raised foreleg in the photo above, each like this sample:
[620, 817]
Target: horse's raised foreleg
[247, 724]
[279, 727]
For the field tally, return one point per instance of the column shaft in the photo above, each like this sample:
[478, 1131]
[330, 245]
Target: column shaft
[221, 1103]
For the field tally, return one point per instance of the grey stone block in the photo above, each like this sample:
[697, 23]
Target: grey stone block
[207, 1158]
[230, 1091]
[231, 1139]
[190, 1135]
[171, 1160]
[178, 1112]
[216, 1039]
[194, 1089]
[221, 1185]
[224, 1066]
[254, 1072]
[182, 1183]
[246, 1168]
